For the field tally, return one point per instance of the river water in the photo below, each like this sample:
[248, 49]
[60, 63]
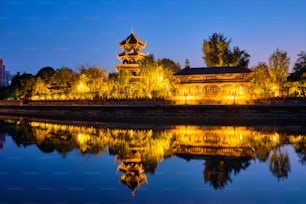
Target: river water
[60, 162]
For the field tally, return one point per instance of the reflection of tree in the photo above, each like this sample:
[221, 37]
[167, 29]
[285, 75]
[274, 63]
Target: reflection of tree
[217, 172]
[262, 153]
[299, 144]
[279, 164]
[150, 160]
[22, 135]
[263, 143]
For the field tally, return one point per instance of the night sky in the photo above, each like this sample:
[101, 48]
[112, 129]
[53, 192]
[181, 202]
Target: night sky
[38, 33]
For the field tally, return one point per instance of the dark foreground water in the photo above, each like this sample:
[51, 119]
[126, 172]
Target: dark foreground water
[59, 163]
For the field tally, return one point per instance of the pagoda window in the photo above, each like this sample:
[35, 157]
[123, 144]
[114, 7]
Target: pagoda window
[125, 62]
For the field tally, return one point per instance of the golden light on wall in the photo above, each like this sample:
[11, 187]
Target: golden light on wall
[81, 87]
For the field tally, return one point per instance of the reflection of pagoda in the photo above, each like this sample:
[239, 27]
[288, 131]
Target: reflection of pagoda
[131, 57]
[132, 167]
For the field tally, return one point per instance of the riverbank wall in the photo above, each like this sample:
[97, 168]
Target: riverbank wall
[164, 113]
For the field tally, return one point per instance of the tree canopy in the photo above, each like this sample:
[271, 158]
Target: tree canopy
[299, 68]
[169, 64]
[279, 66]
[217, 52]
[45, 73]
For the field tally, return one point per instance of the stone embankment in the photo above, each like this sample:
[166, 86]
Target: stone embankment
[162, 112]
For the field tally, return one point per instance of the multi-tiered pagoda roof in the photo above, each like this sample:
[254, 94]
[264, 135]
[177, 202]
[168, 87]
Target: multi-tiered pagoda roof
[131, 50]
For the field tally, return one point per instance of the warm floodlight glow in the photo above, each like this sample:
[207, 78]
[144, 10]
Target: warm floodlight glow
[276, 138]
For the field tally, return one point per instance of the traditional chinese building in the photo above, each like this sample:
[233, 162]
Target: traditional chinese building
[224, 85]
[131, 57]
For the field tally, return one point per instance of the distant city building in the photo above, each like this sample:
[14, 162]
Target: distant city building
[8, 78]
[2, 140]
[131, 57]
[2, 73]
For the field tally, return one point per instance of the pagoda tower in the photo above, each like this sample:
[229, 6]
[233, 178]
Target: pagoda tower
[131, 57]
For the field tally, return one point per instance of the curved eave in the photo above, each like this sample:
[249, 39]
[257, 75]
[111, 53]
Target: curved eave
[123, 56]
[138, 46]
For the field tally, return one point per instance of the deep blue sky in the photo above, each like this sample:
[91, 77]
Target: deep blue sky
[37, 33]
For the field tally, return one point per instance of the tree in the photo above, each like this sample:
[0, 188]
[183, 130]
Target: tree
[94, 78]
[217, 52]
[21, 85]
[63, 79]
[149, 59]
[4, 92]
[169, 65]
[299, 68]
[156, 80]
[239, 58]
[279, 66]
[260, 86]
[45, 73]
[300, 64]
[278, 69]
[40, 88]
[261, 72]
[297, 79]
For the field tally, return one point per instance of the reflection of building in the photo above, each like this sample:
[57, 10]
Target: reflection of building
[195, 150]
[2, 73]
[192, 142]
[132, 166]
[219, 84]
[131, 57]
[225, 149]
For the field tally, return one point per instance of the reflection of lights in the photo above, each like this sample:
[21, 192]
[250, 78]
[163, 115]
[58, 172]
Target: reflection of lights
[275, 138]
[241, 137]
[186, 99]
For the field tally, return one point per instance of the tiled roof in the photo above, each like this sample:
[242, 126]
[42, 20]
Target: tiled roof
[212, 70]
[131, 39]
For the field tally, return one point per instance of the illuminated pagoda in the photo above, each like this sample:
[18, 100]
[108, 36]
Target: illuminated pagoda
[131, 57]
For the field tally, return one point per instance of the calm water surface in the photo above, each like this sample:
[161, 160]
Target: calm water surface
[59, 163]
